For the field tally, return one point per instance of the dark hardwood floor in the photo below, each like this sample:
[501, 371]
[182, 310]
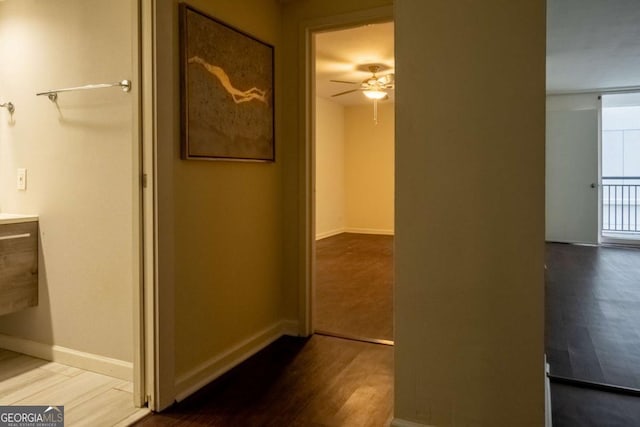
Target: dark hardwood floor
[321, 381]
[581, 407]
[593, 332]
[354, 285]
[593, 313]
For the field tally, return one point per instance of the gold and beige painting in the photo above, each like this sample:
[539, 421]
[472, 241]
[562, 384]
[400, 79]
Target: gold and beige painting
[228, 92]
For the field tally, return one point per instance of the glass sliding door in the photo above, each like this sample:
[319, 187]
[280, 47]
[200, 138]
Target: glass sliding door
[620, 168]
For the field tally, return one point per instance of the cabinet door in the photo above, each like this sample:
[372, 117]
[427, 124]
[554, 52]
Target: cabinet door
[18, 266]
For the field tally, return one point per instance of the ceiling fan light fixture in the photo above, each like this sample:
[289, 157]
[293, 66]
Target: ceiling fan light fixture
[375, 94]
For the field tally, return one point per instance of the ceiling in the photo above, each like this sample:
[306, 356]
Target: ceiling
[344, 54]
[620, 100]
[592, 44]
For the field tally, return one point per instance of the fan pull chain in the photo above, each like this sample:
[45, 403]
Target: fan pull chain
[375, 111]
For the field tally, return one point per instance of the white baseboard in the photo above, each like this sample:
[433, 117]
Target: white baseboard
[91, 362]
[384, 232]
[369, 231]
[399, 422]
[291, 328]
[192, 381]
[325, 234]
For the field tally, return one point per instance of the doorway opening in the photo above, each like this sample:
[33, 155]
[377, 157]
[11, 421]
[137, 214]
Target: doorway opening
[620, 166]
[353, 181]
[80, 342]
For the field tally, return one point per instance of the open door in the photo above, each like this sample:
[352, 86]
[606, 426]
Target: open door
[572, 169]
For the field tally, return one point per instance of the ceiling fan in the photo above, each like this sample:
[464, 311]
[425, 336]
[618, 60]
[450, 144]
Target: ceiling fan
[374, 87]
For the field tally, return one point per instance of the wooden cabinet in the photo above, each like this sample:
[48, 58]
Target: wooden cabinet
[18, 266]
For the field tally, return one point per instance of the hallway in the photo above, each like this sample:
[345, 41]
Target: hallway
[320, 381]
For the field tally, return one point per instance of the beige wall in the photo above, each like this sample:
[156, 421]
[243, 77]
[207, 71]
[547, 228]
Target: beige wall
[330, 168]
[469, 270]
[369, 160]
[221, 222]
[354, 169]
[80, 160]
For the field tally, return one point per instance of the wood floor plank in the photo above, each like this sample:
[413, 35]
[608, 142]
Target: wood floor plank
[125, 386]
[105, 409]
[591, 332]
[139, 414]
[322, 381]
[580, 407]
[26, 384]
[59, 368]
[593, 313]
[72, 392]
[354, 378]
[90, 399]
[349, 414]
[7, 354]
[13, 366]
[354, 285]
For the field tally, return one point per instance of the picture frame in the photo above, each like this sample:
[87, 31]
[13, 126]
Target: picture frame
[227, 91]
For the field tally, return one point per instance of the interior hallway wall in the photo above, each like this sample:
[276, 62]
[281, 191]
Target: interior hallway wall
[470, 138]
[79, 159]
[354, 169]
[220, 222]
[369, 168]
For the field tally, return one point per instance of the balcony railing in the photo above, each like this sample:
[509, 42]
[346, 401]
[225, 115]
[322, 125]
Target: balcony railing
[620, 204]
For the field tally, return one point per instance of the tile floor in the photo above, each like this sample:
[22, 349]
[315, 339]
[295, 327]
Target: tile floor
[89, 399]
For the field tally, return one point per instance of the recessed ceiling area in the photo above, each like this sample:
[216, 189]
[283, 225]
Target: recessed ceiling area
[345, 54]
[592, 44]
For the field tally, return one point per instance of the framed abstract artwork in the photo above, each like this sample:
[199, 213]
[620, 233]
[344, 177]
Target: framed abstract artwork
[226, 91]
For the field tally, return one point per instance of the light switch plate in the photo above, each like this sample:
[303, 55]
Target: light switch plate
[22, 179]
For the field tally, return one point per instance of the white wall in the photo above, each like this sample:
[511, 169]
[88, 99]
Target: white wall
[469, 287]
[369, 172]
[330, 168]
[79, 155]
[571, 167]
[354, 169]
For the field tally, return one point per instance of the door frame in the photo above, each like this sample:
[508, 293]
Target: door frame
[145, 360]
[306, 112]
[139, 394]
[156, 40]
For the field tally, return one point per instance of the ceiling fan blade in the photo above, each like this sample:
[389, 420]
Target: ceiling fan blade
[345, 92]
[343, 81]
[387, 79]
